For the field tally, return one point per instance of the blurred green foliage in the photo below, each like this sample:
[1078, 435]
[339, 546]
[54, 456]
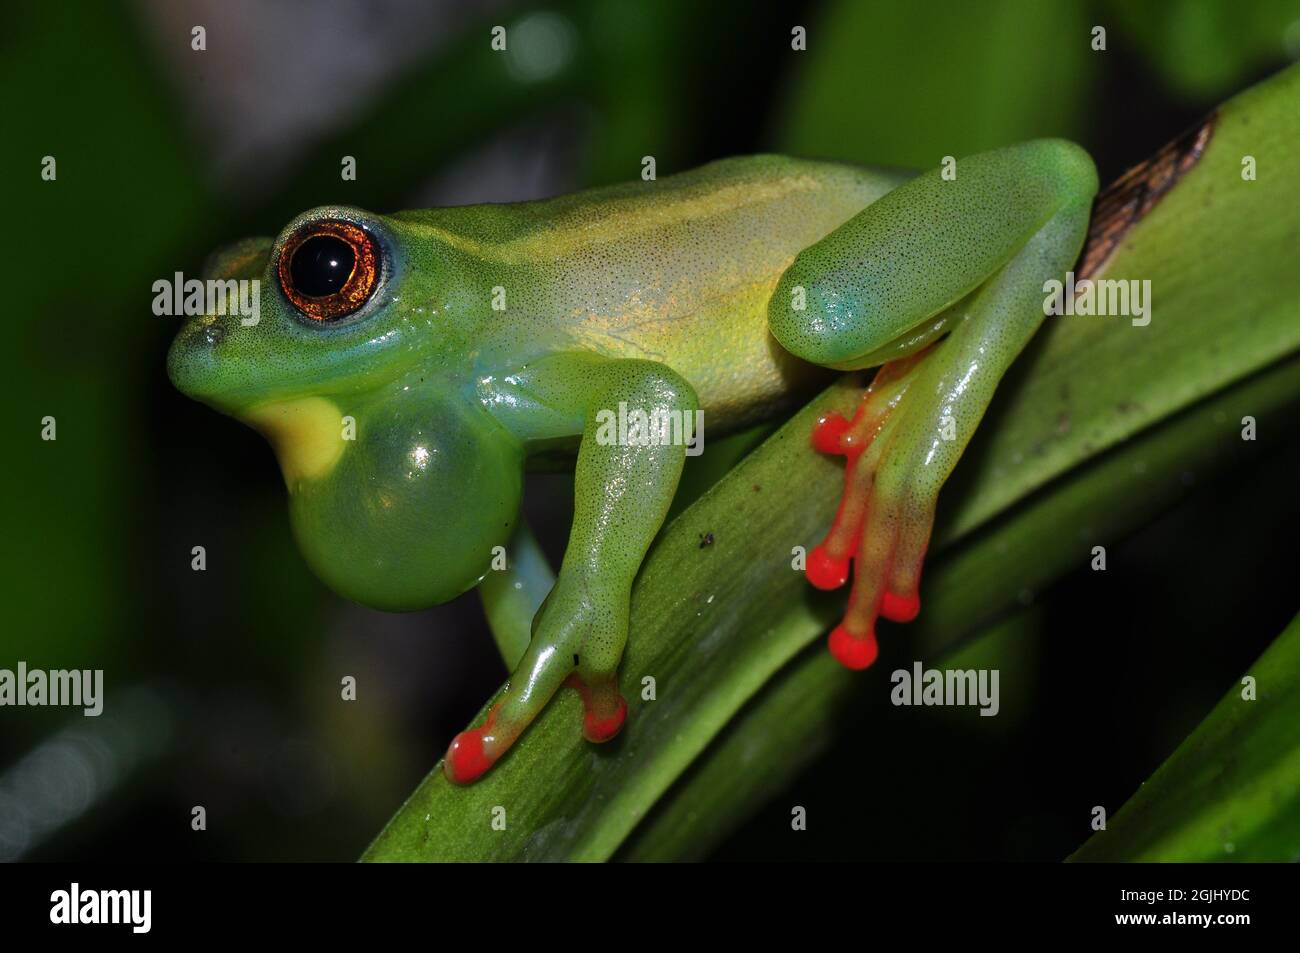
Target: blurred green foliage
[890, 87]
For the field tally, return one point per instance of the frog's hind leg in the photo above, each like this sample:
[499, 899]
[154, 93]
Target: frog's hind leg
[910, 432]
[968, 255]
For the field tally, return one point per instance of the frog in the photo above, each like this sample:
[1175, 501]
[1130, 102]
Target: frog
[409, 368]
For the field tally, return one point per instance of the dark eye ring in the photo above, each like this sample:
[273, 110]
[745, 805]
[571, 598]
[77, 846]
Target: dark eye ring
[328, 270]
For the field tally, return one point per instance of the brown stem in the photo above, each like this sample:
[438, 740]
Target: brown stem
[1126, 200]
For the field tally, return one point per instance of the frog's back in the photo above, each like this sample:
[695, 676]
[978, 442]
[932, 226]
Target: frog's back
[678, 270]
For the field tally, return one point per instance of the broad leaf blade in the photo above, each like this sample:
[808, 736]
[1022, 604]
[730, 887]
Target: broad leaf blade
[797, 715]
[1232, 790]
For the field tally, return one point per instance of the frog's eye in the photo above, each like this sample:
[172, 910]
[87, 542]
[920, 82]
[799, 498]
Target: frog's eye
[329, 269]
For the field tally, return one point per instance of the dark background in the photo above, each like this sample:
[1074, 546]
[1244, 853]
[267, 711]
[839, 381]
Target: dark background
[224, 685]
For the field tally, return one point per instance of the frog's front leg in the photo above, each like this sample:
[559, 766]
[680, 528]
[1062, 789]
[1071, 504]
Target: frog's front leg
[624, 482]
[966, 257]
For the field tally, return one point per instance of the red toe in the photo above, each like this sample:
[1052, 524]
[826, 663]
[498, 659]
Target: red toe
[466, 758]
[602, 729]
[855, 652]
[900, 608]
[826, 436]
[824, 570]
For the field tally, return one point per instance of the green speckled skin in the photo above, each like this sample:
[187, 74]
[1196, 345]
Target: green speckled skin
[653, 294]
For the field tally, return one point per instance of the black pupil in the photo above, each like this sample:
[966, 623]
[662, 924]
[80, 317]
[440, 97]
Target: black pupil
[321, 265]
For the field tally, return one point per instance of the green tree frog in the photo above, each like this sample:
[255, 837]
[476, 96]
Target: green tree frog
[459, 343]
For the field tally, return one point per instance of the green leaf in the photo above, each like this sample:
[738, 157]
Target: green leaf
[714, 623]
[1232, 790]
[793, 719]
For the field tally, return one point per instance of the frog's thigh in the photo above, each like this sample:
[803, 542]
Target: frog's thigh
[920, 250]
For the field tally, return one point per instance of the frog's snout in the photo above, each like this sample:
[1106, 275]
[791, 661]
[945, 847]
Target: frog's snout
[193, 362]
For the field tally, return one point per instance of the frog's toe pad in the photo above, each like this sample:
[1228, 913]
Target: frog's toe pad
[605, 708]
[467, 757]
[598, 729]
[853, 651]
[897, 608]
[828, 434]
[826, 571]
